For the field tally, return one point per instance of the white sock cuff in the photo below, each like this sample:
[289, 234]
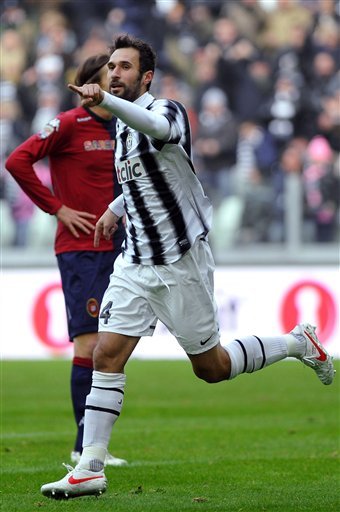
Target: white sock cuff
[90, 453]
[117, 380]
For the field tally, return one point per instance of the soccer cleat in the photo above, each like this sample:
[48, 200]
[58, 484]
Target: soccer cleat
[77, 482]
[110, 460]
[315, 355]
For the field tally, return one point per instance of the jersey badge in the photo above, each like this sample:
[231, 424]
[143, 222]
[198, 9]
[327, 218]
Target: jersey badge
[83, 119]
[49, 128]
[129, 141]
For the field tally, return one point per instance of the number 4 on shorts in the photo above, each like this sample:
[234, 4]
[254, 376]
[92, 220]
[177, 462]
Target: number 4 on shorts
[105, 312]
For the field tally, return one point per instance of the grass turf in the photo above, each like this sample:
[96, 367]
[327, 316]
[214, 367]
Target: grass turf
[263, 442]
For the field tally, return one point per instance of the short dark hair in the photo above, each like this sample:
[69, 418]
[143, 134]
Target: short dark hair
[147, 56]
[89, 71]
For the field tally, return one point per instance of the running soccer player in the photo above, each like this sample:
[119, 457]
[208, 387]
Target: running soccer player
[165, 270]
[80, 145]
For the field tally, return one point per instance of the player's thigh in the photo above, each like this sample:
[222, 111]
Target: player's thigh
[125, 308]
[188, 307]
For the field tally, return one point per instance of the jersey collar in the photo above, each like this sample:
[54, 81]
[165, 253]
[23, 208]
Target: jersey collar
[145, 100]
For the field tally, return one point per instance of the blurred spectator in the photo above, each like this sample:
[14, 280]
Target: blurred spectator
[290, 162]
[201, 23]
[325, 36]
[256, 153]
[283, 108]
[328, 121]
[21, 209]
[13, 129]
[46, 74]
[13, 55]
[281, 21]
[253, 87]
[320, 85]
[248, 16]
[205, 72]
[256, 147]
[55, 36]
[236, 56]
[12, 15]
[321, 186]
[179, 43]
[49, 102]
[245, 216]
[215, 144]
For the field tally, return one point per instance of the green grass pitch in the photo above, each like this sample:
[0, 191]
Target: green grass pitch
[263, 442]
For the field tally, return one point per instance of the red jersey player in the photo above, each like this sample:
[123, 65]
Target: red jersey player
[79, 144]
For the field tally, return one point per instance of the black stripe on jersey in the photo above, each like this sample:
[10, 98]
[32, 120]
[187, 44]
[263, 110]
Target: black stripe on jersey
[263, 352]
[102, 409]
[172, 118]
[132, 231]
[166, 195]
[159, 144]
[245, 356]
[149, 226]
[187, 134]
[123, 138]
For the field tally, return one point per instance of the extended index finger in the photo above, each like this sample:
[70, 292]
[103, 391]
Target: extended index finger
[97, 234]
[75, 88]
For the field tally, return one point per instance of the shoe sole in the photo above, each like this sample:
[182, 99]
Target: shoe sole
[56, 494]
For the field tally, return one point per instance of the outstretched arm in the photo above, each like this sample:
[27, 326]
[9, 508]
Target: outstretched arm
[138, 118]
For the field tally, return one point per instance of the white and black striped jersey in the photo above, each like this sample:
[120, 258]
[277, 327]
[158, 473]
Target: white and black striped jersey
[166, 208]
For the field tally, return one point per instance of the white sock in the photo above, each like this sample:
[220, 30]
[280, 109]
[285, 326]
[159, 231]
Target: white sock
[252, 353]
[296, 345]
[103, 406]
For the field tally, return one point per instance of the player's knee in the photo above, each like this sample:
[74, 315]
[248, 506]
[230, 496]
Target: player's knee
[210, 375]
[99, 357]
[103, 360]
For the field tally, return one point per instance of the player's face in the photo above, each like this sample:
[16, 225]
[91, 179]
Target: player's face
[124, 75]
[103, 82]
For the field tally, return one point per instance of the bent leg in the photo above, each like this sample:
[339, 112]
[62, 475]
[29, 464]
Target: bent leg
[247, 354]
[214, 365]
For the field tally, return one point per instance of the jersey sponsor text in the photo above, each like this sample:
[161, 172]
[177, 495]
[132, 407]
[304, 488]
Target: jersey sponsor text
[99, 145]
[131, 169]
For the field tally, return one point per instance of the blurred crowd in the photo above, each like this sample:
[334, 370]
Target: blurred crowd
[260, 80]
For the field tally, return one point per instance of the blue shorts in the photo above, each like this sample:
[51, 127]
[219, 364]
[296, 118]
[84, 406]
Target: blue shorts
[85, 276]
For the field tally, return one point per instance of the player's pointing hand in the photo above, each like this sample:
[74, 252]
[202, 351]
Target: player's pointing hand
[106, 226]
[90, 94]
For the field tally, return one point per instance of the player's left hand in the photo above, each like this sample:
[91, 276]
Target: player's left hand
[106, 226]
[90, 94]
[76, 220]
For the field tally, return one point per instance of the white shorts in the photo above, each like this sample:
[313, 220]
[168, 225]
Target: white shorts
[180, 294]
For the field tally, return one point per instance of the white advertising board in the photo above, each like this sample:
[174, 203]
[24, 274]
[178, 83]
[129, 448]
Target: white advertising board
[251, 300]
